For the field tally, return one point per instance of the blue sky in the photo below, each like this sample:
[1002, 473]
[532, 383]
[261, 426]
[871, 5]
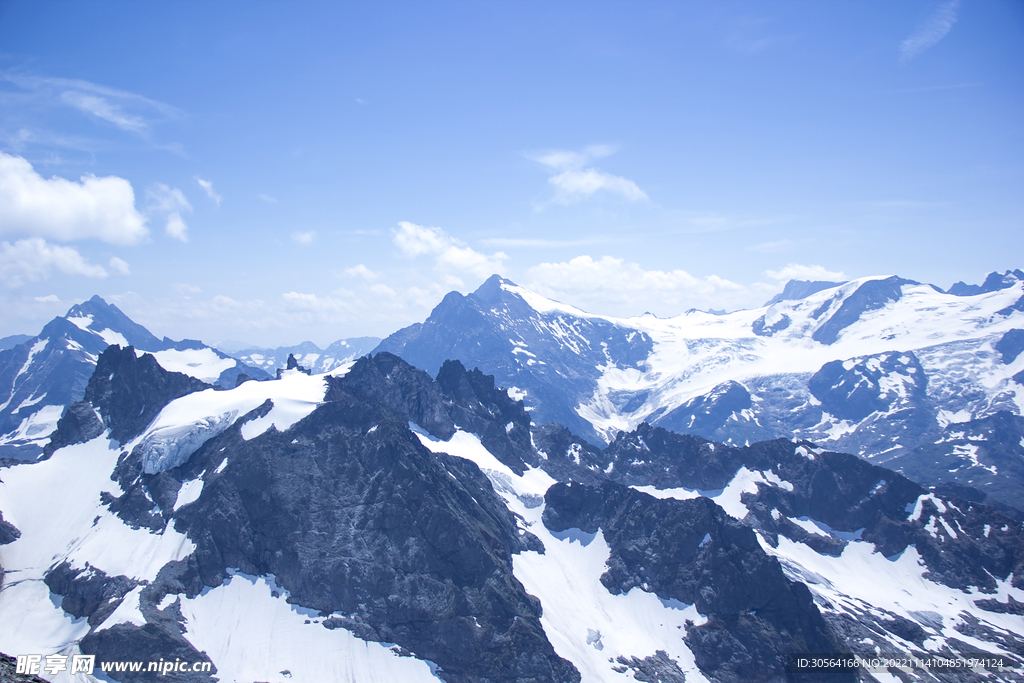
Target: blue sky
[272, 172]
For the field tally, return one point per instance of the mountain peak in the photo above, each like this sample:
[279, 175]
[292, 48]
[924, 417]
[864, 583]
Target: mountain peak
[801, 289]
[490, 290]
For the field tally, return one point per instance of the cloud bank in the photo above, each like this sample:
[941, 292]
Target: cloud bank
[65, 210]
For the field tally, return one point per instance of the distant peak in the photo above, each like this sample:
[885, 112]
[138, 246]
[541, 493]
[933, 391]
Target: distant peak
[993, 283]
[801, 289]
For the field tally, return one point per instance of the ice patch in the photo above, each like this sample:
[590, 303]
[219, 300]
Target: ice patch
[167, 447]
[111, 337]
[189, 492]
[81, 322]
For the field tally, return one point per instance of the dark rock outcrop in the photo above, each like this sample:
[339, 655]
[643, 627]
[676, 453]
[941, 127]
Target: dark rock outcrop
[129, 391]
[1010, 345]
[691, 551]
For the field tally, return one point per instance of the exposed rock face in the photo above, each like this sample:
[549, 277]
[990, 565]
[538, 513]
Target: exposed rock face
[567, 457]
[477, 406]
[352, 514]
[853, 389]
[130, 390]
[707, 413]
[409, 393]
[355, 519]
[987, 454]
[1010, 345]
[691, 551]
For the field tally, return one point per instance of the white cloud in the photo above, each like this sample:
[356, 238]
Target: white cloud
[186, 289]
[614, 287]
[171, 202]
[34, 259]
[572, 186]
[360, 271]
[55, 208]
[304, 237]
[795, 271]
[48, 299]
[119, 266]
[208, 188]
[935, 29]
[449, 253]
[576, 182]
[176, 227]
[267, 198]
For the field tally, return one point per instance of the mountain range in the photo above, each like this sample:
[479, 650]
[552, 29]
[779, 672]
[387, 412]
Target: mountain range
[885, 368]
[517, 490]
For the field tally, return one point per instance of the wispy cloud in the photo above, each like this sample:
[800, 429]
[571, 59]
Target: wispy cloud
[267, 198]
[208, 189]
[126, 110]
[119, 266]
[449, 253]
[752, 35]
[795, 271]
[171, 202]
[770, 247]
[577, 180]
[934, 29]
[360, 271]
[304, 237]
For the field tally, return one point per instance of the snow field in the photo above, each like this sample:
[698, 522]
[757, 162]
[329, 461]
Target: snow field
[250, 635]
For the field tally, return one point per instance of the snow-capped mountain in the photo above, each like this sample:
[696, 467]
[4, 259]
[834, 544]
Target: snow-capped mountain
[876, 366]
[39, 377]
[308, 354]
[374, 524]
